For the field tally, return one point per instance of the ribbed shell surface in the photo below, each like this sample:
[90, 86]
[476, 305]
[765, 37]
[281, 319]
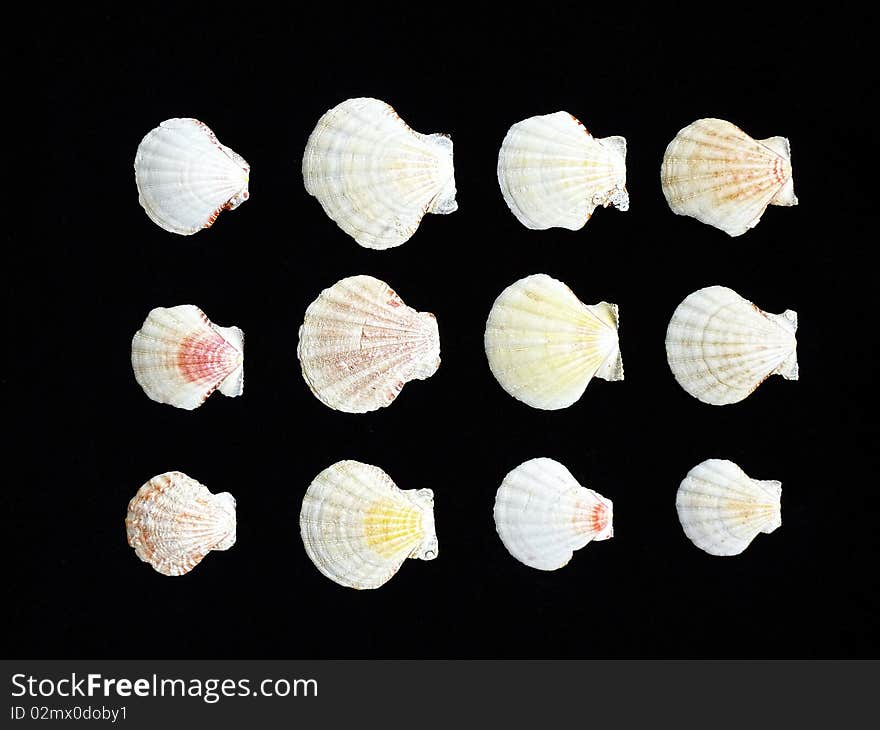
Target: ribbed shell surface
[722, 510]
[542, 514]
[185, 177]
[544, 345]
[721, 347]
[360, 344]
[716, 173]
[553, 173]
[173, 522]
[376, 177]
[180, 357]
[358, 527]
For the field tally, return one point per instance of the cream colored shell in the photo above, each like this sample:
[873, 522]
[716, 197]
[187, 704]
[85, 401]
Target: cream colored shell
[185, 177]
[542, 514]
[376, 177]
[358, 528]
[173, 522]
[716, 173]
[180, 357]
[544, 345]
[721, 509]
[553, 173]
[721, 347]
[360, 344]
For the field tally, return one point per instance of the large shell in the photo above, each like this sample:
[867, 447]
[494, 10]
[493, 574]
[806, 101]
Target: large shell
[722, 510]
[542, 514]
[358, 527]
[721, 347]
[716, 173]
[553, 173]
[185, 177]
[374, 175]
[360, 344]
[180, 357]
[173, 522]
[544, 344]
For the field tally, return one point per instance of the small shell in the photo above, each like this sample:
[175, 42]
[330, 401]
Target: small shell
[360, 344]
[185, 177]
[180, 357]
[722, 510]
[358, 527]
[376, 177]
[553, 173]
[544, 345]
[173, 522]
[716, 173]
[721, 347]
[542, 514]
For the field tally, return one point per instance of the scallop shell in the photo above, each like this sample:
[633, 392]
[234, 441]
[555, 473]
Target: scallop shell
[358, 527]
[543, 515]
[716, 173]
[544, 345]
[180, 357]
[722, 510]
[553, 173]
[721, 347]
[360, 344]
[185, 177]
[376, 177]
[173, 522]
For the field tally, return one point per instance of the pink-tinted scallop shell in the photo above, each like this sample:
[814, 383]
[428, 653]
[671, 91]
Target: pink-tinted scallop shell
[180, 357]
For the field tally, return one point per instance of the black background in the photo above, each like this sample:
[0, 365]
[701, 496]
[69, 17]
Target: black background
[90, 265]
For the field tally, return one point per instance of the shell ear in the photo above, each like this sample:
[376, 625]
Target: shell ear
[427, 495]
[779, 145]
[616, 143]
[785, 196]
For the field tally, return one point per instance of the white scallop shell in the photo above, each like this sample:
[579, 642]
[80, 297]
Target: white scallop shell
[721, 347]
[358, 527]
[716, 173]
[180, 357]
[722, 510]
[173, 522]
[185, 177]
[544, 344]
[553, 173]
[376, 177]
[360, 344]
[542, 514]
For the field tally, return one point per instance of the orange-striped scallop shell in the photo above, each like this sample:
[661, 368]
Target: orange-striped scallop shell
[716, 173]
[173, 522]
